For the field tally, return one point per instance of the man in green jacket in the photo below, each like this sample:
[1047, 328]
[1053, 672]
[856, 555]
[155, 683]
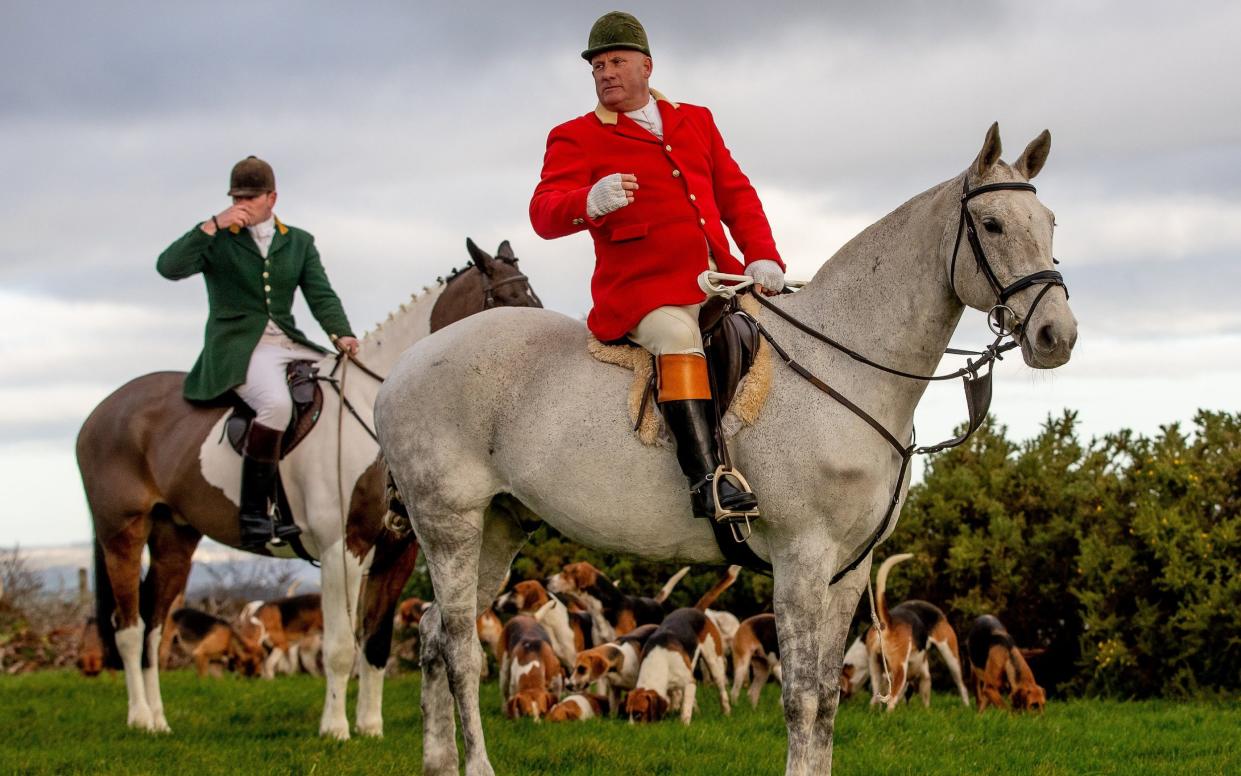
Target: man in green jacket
[252, 264]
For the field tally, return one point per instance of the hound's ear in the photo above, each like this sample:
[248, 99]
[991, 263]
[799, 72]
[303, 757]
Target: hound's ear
[990, 153]
[661, 706]
[479, 257]
[1035, 156]
[544, 609]
[505, 251]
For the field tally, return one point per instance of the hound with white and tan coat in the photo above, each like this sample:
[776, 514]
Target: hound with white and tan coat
[615, 663]
[666, 675]
[530, 672]
[281, 626]
[908, 630]
[756, 648]
[211, 640]
[577, 707]
[615, 613]
[531, 598]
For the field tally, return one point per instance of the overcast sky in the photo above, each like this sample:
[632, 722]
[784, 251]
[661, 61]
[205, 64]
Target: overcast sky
[397, 129]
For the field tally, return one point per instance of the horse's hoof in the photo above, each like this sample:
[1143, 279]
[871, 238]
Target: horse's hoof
[140, 718]
[338, 731]
[371, 729]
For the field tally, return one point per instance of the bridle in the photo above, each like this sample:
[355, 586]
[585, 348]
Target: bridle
[1000, 311]
[977, 383]
[489, 299]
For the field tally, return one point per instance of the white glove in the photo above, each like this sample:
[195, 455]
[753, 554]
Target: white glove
[767, 274]
[605, 196]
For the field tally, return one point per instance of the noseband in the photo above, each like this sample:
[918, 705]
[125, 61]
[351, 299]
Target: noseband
[1048, 278]
[489, 299]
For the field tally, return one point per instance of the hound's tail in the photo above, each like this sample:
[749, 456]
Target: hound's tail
[881, 583]
[663, 594]
[709, 597]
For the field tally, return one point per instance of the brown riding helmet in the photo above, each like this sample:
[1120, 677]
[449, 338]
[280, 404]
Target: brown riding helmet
[251, 177]
[616, 30]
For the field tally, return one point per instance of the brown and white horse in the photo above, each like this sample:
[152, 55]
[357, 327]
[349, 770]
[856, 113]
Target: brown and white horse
[158, 475]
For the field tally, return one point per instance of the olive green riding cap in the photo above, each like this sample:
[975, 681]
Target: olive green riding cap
[251, 177]
[616, 30]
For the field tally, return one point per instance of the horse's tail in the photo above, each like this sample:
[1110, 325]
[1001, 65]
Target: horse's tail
[881, 583]
[666, 590]
[709, 597]
[105, 606]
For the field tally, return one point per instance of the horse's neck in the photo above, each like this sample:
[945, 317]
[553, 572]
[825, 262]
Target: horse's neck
[379, 349]
[886, 294]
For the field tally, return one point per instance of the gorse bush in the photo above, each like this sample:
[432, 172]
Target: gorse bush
[1120, 557]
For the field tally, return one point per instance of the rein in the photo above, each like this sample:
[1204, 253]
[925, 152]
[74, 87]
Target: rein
[976, 383]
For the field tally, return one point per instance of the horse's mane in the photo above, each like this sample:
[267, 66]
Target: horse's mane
[418, 302]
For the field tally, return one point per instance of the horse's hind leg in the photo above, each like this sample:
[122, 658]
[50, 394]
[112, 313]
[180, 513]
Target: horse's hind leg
[467, 556]
[123, 558]
[171, 548]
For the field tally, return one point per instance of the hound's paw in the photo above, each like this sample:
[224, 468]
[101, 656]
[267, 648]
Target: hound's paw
[159, 724]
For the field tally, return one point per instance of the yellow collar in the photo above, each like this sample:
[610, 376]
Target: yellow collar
[280, 227]
[606, 116]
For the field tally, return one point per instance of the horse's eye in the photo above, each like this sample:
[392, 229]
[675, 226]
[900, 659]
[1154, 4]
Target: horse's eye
[992, 226]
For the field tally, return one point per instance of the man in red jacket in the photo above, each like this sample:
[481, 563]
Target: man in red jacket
[654, 184]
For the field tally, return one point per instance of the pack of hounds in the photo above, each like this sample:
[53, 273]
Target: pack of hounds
[575, 647]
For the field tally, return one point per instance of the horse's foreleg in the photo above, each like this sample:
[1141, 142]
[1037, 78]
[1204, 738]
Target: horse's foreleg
[439, 726]
[812, 623]
[341, 576]
[391, 564]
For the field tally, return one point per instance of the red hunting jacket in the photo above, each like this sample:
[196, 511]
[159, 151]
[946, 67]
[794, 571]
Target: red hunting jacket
[649, 254]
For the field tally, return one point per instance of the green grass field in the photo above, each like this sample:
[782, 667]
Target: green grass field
[59, 722]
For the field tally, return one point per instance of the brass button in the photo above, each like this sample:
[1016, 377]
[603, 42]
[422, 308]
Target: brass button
[702, 222]
[267, 289]
[579, 221]
[668, 148]
[692, 198]
[266, 274]
[676, 173]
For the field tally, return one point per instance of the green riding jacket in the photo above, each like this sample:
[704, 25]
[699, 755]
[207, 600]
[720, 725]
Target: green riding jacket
[244, 290]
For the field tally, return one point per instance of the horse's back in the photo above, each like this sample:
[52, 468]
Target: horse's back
[143, 421]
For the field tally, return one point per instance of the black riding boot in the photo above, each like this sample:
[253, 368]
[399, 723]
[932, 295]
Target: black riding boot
[258, 489]
[691, 424]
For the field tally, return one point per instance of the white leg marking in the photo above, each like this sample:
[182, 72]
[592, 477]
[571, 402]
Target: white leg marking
[150, 677]
[129, 644]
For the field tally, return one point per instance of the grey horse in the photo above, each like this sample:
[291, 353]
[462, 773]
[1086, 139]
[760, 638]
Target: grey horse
[505, 416]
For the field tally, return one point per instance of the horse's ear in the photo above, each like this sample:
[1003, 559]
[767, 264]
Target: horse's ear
[1035, 156]
[479, 257]
[505, 251]
[990, 153]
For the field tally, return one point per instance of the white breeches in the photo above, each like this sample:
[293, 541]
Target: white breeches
[670, 329]
[266, 388]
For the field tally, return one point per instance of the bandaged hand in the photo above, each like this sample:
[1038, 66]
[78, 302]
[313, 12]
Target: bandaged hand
[611, 192]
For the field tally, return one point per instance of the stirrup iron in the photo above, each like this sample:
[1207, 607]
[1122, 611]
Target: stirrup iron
[734, 518]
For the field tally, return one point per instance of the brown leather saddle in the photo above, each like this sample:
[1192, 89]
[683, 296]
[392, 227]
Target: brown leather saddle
[302, 377]
[730, 338]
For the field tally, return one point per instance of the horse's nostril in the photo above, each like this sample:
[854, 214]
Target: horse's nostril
[1047, 338]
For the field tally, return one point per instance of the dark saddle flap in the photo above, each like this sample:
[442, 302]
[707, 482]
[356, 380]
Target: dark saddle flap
[307, 405]
[730, 339]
